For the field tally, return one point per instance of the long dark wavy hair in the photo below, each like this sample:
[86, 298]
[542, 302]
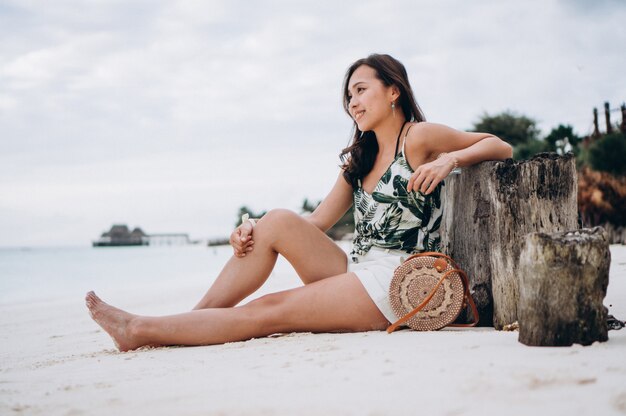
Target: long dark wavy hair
[358, 158]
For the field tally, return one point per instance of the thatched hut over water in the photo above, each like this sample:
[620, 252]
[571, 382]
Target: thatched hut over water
[120, 235]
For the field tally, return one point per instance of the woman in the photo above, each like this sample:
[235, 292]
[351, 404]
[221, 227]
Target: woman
[393, 173]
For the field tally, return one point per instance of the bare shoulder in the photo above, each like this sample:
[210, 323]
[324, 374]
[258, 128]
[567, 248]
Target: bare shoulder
[423, 138]
[433, 138]
[428, 131]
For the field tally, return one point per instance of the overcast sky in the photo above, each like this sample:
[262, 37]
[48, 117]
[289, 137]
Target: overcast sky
[169, 115]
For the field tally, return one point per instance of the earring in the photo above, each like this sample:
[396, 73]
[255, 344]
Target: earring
[393, 108]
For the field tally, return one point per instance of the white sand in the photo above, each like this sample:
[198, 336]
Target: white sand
[56, 361]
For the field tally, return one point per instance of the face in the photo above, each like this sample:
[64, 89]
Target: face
[369, 99]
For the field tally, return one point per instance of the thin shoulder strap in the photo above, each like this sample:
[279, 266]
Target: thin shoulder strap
[395, 153]
[404, 141]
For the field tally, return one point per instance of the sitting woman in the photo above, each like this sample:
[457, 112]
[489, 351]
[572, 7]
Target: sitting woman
[393, 174]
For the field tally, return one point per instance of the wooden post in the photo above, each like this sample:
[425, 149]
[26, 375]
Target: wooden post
[596, 129]
[563, 281]
[623, 125]
[607, 116]
[490, 207]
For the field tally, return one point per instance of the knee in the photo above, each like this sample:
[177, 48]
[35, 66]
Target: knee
[275, 222]
[268, 311]
[279, 216]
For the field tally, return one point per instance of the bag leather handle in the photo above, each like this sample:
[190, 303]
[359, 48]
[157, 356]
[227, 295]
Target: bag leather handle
[467, 297]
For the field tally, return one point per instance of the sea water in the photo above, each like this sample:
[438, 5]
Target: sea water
[32, 274]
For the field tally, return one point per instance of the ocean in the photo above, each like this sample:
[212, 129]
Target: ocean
[67, 273]
[32, 274]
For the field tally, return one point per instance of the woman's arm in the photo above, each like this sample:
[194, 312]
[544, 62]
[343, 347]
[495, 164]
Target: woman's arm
[332, 208]
[455, 148]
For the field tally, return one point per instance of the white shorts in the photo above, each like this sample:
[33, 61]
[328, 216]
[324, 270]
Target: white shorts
[375, 271]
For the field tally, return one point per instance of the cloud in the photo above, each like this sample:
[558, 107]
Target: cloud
[130, 101]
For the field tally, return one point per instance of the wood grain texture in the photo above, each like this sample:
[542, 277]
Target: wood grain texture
[563, 282]
[490, 207]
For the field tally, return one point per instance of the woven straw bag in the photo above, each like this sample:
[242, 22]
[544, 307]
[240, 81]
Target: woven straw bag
[428, 291]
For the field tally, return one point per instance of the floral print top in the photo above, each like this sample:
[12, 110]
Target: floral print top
[392, 218]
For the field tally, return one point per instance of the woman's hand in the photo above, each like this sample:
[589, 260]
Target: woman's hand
[426, 177]
[241, 239]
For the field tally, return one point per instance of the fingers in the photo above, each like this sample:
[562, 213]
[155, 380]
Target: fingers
[241, 240]
[409, 186]
[422, 178]
[242, 244]
[426, 178]
[432, 186]
[244, 233]
[416, 180]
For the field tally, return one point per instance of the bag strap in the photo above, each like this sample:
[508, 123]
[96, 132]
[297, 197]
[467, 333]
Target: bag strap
[435, 254]
[467, 297]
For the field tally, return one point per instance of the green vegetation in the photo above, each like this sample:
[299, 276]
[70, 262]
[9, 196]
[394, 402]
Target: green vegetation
[562, 139]
[608, 154]
[518, 130]
[601, 162]
[527, 150]
[605, 154]
[344, 226]
[509, 126]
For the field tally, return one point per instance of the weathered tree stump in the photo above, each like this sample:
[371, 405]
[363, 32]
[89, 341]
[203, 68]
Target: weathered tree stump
[563, 281]
[490, 207]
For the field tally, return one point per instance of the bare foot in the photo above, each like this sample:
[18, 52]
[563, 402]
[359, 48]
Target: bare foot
[114, 321]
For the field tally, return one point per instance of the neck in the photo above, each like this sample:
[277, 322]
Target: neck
[387, 134]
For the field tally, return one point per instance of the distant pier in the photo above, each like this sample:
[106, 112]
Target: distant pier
[168, 239]
[120, 235]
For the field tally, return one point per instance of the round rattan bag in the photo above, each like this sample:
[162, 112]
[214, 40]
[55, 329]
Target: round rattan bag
[419, 278]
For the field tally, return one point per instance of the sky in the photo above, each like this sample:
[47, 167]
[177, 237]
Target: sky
[170, 115]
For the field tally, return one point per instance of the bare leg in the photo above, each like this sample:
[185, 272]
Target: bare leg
[336, 304]
[313, 255]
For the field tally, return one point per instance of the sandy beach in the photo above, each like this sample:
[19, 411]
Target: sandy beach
[56, 361]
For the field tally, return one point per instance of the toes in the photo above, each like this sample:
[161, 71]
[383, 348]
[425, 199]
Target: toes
[92, 298]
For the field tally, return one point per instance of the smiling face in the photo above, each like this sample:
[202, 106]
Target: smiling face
[369, 99]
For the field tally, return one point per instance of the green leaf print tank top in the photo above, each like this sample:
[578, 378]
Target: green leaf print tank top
[392, 218]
